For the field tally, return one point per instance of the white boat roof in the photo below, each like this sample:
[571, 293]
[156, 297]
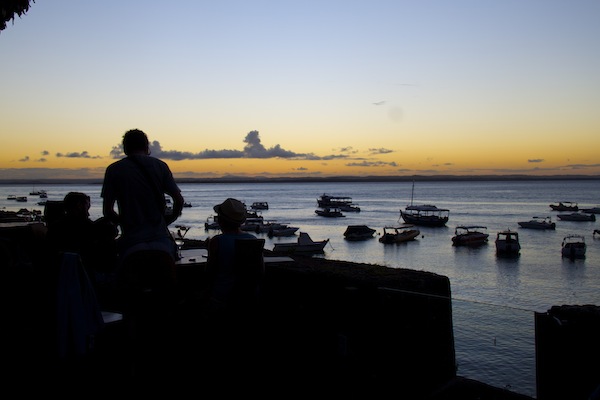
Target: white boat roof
[426, 207]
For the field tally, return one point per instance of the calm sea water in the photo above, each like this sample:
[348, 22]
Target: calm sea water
[494, 299]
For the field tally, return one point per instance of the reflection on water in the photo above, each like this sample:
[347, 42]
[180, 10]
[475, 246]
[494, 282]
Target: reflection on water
[495, 345]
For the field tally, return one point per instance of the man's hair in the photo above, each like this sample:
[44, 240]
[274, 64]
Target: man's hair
[135, 140]
[75, 199]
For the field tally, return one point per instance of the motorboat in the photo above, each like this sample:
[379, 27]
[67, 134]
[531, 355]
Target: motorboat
[538, 223]
[593, 210]
[573, 246]
[576, 216]
[470, 235]
[565, 206]
[187, 204]
[398, 234]
[279, 231]
[358, 232]
[304, 244]
[424, 214]
[260, 205]
[349, 207]
[11, 197]
[507, 243]
[21, 199]
[332, 212]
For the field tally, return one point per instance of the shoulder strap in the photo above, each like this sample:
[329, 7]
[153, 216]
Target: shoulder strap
[160, 197]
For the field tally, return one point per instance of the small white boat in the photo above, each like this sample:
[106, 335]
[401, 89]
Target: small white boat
[538, 223]
[507, 243]
[259, 205]
[577, 216]
[573, 246]
[398, 234]
[358, 232]
[304, 244]
[470, 235]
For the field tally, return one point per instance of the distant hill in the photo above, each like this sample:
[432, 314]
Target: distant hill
[259, 179]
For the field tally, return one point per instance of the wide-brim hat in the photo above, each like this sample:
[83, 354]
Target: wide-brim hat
[232, 210]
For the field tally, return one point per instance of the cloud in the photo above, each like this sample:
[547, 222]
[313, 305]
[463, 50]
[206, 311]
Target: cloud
[372, 164]
[535, 160]
[24, 159]
[83, 154]
[253, 149]
[380, 151]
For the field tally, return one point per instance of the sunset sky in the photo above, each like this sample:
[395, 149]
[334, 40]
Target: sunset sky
[303, 88]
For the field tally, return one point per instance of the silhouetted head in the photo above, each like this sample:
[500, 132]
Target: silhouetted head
[77, 204]
[231, 211]
[135, 141]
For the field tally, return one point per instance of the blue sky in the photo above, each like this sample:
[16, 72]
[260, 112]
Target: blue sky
[319, 87]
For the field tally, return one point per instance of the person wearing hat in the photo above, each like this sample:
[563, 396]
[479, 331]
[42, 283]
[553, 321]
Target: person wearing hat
[231, 214]
[234, 288]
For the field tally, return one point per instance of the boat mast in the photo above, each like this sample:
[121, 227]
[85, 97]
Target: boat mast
[412, 193]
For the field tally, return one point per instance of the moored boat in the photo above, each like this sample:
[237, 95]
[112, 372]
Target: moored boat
[576, 216]
[507, 243]
[327, 200]
[424, 214]
[304, 244]
[573, 246]
[398, 234]
[470, 235]
[260, 205]
[592, 210]
[538, 223]
[331, 212]
[358, 232]
[283, 230]
[565, 206]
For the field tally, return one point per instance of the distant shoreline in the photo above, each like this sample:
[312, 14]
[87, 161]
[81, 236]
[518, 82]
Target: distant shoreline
[239, 179]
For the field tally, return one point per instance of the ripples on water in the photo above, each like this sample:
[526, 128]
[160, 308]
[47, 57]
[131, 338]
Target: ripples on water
[493, 298]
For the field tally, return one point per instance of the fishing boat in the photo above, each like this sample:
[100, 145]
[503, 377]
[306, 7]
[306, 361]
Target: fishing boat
[470, 235]
[358, 232]
[304, 244]
[577, 216]
[565, 206]
[573, 246]
[538, 223]
[398, 234]
[507, 243]
[425, 214]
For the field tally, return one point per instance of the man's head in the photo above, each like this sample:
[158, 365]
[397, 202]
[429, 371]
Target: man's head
[135, 141]
[77, 204]
[231, 212]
